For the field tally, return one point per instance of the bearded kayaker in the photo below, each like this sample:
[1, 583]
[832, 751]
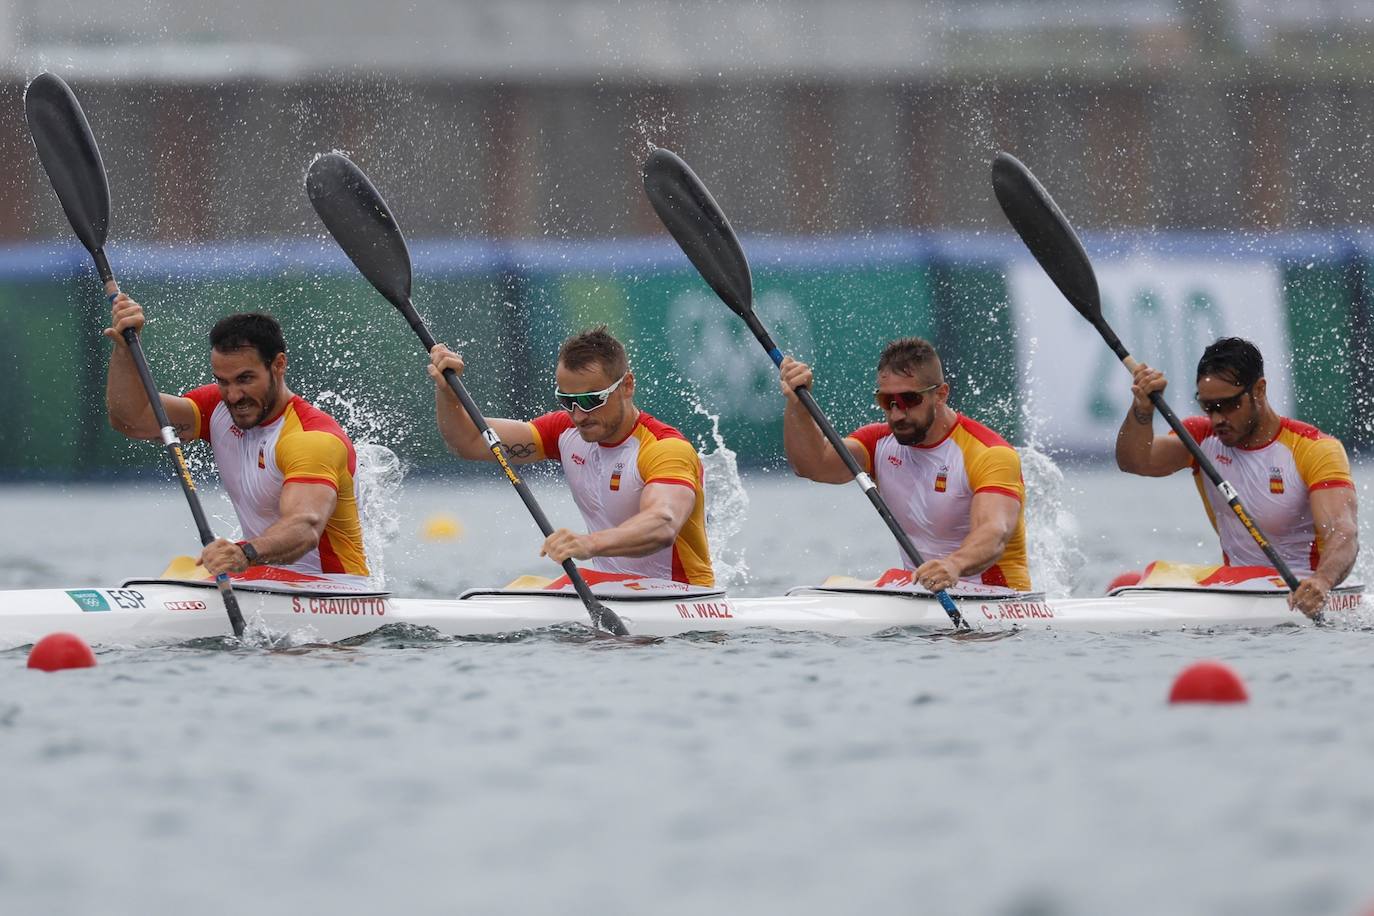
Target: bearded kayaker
[287, 465]
[636, 480]
[1292, 478]
[953, 484]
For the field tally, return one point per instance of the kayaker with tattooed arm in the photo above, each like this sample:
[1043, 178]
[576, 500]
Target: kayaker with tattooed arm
[1293, 479]
[636, 480]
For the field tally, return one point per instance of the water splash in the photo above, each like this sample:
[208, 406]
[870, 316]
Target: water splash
[362, 421]
[727, 504]
[379, 475]
[1056, 560]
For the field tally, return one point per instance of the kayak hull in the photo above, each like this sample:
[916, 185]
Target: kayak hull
[152, 612]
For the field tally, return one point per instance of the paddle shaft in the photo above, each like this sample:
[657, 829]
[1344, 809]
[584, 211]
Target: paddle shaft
[172, 444]
[861, 477]
[602, 616]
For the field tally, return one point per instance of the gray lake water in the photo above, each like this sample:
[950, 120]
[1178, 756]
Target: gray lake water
[1041, 774]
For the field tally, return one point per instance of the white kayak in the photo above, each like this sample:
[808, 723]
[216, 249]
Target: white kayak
[144, 612]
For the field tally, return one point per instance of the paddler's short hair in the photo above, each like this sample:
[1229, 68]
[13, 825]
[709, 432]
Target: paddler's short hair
[249, 330]
[1233, 358]
[594, 345]
[907, 355]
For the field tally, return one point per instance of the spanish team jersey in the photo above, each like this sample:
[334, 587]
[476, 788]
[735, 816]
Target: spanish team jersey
[1274, 482]
[930, 489]
[301, 445]
[608, 479]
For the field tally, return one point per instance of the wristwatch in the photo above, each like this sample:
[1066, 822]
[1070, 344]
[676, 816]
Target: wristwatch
[250, 553]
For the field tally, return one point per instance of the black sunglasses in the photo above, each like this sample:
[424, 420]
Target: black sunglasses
[1224, 405]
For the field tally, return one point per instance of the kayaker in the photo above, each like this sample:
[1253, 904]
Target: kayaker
[953, 484]
[287, 465]
[1293, 479]
[636, 480]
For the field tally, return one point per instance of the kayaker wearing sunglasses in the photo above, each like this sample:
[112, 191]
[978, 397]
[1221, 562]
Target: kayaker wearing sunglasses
[1293, 479]
[954, 485]
[637, 481]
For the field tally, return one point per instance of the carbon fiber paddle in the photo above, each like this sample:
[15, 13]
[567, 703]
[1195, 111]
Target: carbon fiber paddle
[696, 222]
[67, 149]
[360, 221]
[1047, 233]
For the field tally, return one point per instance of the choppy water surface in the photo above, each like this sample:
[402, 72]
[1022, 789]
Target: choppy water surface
[1040, 774]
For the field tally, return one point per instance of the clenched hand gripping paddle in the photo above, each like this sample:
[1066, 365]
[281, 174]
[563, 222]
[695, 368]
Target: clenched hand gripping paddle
[66, 148]
[694, 219]
[1047, 233]
[360, 221]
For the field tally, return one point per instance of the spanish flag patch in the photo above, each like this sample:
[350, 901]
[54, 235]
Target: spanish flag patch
[1275, 480]
[262, 462]
[941, 480]
[615, 481]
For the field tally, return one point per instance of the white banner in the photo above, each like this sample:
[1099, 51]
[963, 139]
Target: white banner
[1165, 312]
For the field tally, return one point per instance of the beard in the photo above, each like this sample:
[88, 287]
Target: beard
[264, 406]
[908, 433]
[1243, 431]
[604, 426]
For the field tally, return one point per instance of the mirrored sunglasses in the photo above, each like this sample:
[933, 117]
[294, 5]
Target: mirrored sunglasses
[904, 400]
[586, 400]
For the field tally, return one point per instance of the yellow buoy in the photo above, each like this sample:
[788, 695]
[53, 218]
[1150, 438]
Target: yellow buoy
[442, 527]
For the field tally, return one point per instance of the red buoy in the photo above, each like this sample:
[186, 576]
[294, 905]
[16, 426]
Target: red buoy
[1129, 577]
[59, 651]
[1208, 682]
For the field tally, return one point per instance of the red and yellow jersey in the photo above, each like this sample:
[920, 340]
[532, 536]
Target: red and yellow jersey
[301, 445]
[930, 489]
[1274, 482]
[607, 481]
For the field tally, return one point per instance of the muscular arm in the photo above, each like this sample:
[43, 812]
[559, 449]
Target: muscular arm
[1334, 513]
[462, 438]
[992, 517]
[126, 402]
[810, 455]
[806, 447]
[663, 509]
[1137, 449]
[460, 433]
[305, 510]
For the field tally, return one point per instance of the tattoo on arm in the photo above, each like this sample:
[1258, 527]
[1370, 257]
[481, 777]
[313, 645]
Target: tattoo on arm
[1143, 417]
[521, 450]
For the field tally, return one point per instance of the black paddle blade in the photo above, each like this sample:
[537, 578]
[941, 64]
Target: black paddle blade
[67, 149]
[1047, 233]
[362, 224]
[700, 228]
